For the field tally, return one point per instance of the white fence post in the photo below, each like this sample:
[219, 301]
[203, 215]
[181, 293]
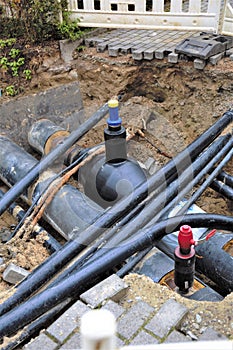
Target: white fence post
[98, 328]
[195, 6]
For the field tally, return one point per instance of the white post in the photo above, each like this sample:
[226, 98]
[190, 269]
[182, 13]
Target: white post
[176, 6]
[158, 6]
[98, 328]
[194, 6]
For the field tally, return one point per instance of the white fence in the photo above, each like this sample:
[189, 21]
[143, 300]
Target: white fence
[200, 15]
[227, 27]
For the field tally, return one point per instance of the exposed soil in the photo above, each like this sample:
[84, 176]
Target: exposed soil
[171, 105]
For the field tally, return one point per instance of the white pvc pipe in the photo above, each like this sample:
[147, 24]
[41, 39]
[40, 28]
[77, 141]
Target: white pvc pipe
[98, 328]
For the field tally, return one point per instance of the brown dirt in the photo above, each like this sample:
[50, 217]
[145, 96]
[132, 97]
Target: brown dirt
[172, 104]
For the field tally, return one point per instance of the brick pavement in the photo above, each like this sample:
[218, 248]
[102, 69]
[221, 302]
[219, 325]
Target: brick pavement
[140, 324]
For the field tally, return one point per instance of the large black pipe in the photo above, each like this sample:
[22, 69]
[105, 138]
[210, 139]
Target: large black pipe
[167, 199]
[36, 326]
[80, 211]
[58, 260]
[45, 162]
[89, 275]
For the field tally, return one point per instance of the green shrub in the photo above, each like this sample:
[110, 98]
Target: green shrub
[37, 20]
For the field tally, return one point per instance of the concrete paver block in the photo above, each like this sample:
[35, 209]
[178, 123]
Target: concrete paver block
[176, 337]
[216, 58]
[199, 64]
[41, 342]
[113, 288]
[144, 338]
[73, 343]
[68, 322]
[14, 274]
[169, 316]
[129, 324]
[173, 57]
[211, 334]
[115, 308]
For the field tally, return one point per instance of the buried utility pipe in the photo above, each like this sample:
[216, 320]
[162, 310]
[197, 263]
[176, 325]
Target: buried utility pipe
[177, 189]
[80, 210]
[36, 326]
[43, 164]
[112, 237]
[206, 183]
[37, 305]
[226, 178]
[58, 260]
[222, 189]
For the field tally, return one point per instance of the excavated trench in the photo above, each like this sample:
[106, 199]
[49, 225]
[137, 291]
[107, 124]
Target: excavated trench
[166, 106]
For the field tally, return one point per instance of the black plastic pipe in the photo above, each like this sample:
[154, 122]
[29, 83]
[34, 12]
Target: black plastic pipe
[36, 326]
[222, 189]
[51, 243]
[32, 175]
[183, 192]
[226, 178]
[80, 211]
[206, 183]
[89, 275]
[58, 260]
[167, 199]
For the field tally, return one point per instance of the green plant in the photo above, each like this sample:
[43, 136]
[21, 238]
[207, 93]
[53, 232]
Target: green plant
[28, 74]
[14, 52]
[11, 91]
[7, 42]
[13, 67]
[4, 63]
[69, 29]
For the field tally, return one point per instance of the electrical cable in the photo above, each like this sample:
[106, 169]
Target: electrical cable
[83, 238]
[83, 279]
[222, 189]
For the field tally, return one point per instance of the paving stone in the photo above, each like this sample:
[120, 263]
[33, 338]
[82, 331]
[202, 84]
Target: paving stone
[169, 316]
[176, 337]
[231, 57]
[113, 51]
[173, 57]
[68, 322]
[73, 343]
[159, 54]
[229, 52]
[113, 288]
[149, 54]
[211, 334]
[216, 58]
[115, 308]
[14, 274]
[199, 64]
[144, 338]
[129, 324]
[41, 342]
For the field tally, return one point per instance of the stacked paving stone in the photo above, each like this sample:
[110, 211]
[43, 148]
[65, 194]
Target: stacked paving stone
[149, 45]
[142, 44]
[138, 325]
